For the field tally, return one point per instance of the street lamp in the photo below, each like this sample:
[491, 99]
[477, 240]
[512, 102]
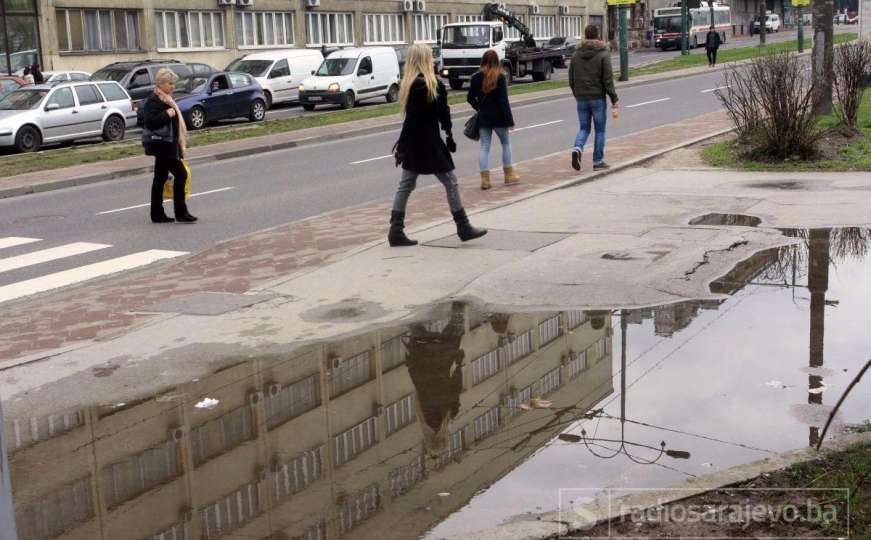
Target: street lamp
[684, 27]
[622, 25]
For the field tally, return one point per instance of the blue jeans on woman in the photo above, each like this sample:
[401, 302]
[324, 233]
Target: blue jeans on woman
[487, 139]
[592, 111]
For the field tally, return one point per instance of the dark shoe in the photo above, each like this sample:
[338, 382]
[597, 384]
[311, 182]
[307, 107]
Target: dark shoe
[396, 237]
[464, 229]
[576, 159]
[601, 166]
[161, 219]
[187, 218]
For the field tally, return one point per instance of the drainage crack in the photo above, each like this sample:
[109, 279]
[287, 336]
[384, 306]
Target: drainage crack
[706, 257]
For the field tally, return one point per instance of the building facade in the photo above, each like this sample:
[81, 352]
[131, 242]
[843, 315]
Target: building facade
[88, 34]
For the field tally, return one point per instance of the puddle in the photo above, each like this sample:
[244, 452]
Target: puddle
[786, 185]
[740, 220]
[462, 420]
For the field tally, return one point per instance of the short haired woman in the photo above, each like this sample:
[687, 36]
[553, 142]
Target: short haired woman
[159, 111]
[488, 94]
[420, 148]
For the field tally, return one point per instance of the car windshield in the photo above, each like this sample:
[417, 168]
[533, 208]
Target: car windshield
[22, 100]
[256, 68]
[667, 24]
[190, 85]
[336, 66]
[466, 37]
[109, 75]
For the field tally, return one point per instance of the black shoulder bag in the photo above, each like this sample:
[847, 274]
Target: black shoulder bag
[472, 129]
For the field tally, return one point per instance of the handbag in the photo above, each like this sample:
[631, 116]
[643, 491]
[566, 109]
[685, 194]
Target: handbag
[472, 129]
[168, 185]
[163, 134]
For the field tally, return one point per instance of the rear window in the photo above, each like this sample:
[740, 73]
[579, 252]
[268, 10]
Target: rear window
[88, 95]
[109, 75]
[113, 92]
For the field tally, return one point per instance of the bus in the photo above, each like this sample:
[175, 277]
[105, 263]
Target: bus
[667, 24]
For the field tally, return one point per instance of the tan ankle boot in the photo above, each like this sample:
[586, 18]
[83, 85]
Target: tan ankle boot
[485, 180]
[510, 176]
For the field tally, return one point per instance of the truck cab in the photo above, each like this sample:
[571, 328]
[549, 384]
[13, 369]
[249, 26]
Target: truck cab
[463, 45]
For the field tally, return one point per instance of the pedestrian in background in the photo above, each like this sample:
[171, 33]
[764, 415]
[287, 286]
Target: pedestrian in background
[165, 138]
[36, 71]
[27, 75]
[591, 79]
[420, 148]
[488, 95]
[712, 45]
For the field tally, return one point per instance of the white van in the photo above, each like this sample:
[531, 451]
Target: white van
[351, 75]
[279, 72]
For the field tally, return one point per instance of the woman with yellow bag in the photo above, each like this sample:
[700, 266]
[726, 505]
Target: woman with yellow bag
[164, 136]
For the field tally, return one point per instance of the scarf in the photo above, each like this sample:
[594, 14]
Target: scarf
[182, 128]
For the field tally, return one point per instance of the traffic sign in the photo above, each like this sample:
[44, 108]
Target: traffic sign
[796, 3]
[620, 2]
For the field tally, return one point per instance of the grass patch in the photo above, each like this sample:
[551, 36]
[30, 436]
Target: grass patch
[852, 157]
[698, 58]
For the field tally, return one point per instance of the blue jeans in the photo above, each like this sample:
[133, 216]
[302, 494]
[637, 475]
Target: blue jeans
[487, 139]
[595, 110]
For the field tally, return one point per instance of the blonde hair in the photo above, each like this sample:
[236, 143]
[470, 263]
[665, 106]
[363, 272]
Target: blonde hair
[418, 62]
[165, 75]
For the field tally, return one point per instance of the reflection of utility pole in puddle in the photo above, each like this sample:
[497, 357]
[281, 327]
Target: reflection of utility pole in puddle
[818, 284]
[7, 515]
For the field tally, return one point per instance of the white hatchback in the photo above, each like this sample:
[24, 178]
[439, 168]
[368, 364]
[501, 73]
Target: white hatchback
[351, 75]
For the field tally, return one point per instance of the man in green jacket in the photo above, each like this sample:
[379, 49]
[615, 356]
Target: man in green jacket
[591, 80]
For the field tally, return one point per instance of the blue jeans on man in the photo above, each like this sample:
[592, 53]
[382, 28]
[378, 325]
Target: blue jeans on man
[592, 113]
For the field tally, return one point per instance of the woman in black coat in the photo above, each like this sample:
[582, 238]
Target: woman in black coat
[420, 148]
[165, 138]
[488, 94]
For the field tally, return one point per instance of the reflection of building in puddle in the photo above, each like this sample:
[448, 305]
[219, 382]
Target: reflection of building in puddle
[315, 446]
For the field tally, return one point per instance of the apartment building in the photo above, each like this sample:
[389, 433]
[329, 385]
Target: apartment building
[324, 443]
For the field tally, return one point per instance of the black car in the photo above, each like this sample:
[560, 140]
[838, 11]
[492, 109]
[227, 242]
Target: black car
[138, 77]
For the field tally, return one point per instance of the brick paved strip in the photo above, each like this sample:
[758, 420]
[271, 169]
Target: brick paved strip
[99, 309]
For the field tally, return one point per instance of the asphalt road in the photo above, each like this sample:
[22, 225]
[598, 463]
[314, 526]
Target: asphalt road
[244, 195]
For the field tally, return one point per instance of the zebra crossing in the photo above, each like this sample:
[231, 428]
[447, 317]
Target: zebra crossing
[70, 276]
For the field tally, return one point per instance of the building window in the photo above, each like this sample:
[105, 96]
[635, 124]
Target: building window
[299, 473]
[392, 353]
[355, 441]
[290, 401]
[359, 506]
[549, 382]
[601, 349]
[221, 434]
[518, 347]
[23, 432]
[316, 531]
[335, 29]
[549, 330]
[383, 29]
[264, 29]
[576, 319]
[426, 27]
[402, 479]
[179, 531]
[456, 447]
[189, 29]
[399, 414]
[542, 26]
[578, 364]
[97, 30]
[469, 18]
[572, 26]
[511, 33]
[230, 513]
[126, 479]
[485, 366]
[55, 512]
[513, 402]
[348, 373]
[486, 424]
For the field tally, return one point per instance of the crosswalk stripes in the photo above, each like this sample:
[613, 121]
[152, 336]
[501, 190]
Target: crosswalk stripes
[72, 276]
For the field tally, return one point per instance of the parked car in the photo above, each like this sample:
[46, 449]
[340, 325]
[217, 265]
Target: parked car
[8, 83]
[353, 75]
[37, 114]
[279, 72]
[54, 77]
[219, 96]
[201, 69]
[772, 24]
[566, 45]
[137, 77]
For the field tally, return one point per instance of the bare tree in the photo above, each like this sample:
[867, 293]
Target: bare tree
[852, 67]
[822, 56]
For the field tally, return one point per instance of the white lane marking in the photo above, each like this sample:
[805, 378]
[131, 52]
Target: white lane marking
[12, 241]
[537, 125]
[370, 159]
[191, 196]
[46, 255]
[709, 90]
[647, 103]
[83, 273]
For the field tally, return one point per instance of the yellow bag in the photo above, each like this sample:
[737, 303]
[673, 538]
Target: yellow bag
[167, 187]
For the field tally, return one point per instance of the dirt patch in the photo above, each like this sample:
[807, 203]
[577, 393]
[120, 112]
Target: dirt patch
[687, 158]
[835, 140]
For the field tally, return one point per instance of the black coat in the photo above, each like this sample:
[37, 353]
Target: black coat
[420, 147]
[712, 40]
[494, 110]
[154, 116]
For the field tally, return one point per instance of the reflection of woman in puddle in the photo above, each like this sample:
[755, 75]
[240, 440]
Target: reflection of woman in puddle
[435, 365]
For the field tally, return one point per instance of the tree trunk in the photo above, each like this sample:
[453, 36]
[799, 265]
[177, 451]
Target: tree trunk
[822, 57]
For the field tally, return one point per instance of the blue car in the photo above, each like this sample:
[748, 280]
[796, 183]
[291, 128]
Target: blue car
[208, 98]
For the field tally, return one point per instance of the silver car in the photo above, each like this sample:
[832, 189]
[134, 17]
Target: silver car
[34, 115]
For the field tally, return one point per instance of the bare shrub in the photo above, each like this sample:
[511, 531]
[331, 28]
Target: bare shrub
[852, 68]
[771, 103]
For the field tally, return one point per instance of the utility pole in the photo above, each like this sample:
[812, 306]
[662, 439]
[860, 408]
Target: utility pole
[822, 57]
[763, 16]
[623, 12]
[684, 27]
[7, 515]
[800, 9]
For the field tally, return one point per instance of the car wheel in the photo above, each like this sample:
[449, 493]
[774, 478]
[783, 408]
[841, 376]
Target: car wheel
[258, 111]
[28, 139]
[197, 118]
[308, 107]
[348, 101]
[456, 84]
[114, 128]
[507, 73]
[268, 96]
[393, 94]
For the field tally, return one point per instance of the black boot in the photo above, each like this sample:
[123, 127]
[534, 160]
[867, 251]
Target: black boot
[464, 229]
[396, 237]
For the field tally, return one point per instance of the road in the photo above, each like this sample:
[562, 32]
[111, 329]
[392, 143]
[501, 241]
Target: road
[107, 224]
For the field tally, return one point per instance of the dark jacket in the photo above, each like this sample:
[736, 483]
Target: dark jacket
[712, 40]
[154, 116]
[420, 147]
[494, 110]
[590, 73]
